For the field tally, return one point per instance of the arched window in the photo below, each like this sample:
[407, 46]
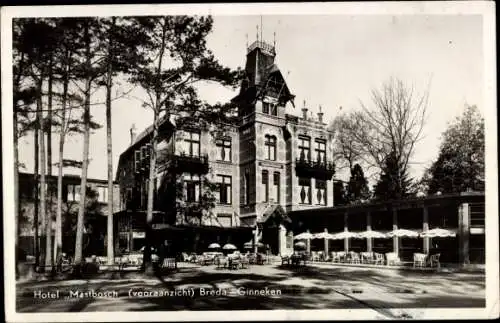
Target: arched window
[270, 144]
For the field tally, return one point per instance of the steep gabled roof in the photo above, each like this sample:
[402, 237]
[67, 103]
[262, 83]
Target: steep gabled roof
[250, 92]
[276, 211]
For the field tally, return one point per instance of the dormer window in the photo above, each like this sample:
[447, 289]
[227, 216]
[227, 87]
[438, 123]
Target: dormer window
[265, 107]
[274, 110]
[270, 108]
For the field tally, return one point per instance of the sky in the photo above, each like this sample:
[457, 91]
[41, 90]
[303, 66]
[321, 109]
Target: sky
[329, 60]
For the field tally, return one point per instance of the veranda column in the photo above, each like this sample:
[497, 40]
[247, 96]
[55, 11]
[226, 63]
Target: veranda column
[464, 232]
[255, 238]
[369, 241]
[346, 228]
[308, 244]
[426, 240]
[326, 243]
[282, 239]
[395, 240]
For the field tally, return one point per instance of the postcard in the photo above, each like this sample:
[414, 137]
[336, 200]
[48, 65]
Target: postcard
[271, 161]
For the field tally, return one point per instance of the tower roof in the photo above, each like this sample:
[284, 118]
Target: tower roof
[266, 48]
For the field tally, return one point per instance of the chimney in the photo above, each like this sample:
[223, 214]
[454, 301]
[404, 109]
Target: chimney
[320, 115]
[304, 111]
[132, 134]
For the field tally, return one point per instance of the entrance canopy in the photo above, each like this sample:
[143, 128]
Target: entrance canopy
[274, 215]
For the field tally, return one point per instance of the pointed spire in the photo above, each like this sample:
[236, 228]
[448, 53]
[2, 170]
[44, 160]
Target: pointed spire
[274, 39]
[261, 28]
[257, 32]
[246, 36]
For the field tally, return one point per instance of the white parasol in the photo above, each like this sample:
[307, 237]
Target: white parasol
[372, 235]
[304, 235]
[344, 234]
[438, 233]
[229, 246]
[403, 233]
[322, 235]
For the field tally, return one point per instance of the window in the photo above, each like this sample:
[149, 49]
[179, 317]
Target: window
[274, 109]
[137, 161]
[305, 190]
[102, 194]
[270, 144]
[304, 148]
[225, 189]
[73, 192]
[270, 108]
[223, 147]
[192, 143]
[320, 151]
[192, 187]
[247, 188]
[276, 187]
[320, 192]
[265, 182]
[265, 107]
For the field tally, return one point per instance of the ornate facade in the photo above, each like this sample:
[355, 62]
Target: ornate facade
[267, 158]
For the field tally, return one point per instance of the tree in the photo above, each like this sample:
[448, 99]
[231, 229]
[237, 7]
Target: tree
[460, 164]
[390, 129]
[88, 72]
[23, 97]
[120, 53]
[39, 51]
[339, 193]
[393, 182]
[357, 188]
[346, 150]
[177, 59]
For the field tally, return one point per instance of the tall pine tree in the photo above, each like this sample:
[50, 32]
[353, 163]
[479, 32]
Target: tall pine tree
[357, 188]
[394, 182]
[178, 59]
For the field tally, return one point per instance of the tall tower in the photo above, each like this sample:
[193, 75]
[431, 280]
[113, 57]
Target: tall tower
[261, 105]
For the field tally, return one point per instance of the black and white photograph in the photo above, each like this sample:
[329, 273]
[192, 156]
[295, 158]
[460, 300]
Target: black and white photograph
[250, 161]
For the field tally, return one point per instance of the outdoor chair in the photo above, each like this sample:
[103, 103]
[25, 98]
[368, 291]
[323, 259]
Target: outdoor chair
[234, 263]
[314, 256]
[354, 258]
[419, 260]
[199, 260]
[392, 259]
[185, 257]
[335, 257]
[221, 262]
[366, 257]
[252, 258]
[379, 259]
[434, 261]
[244, 262]
[285, 260]
[325, 257]
[169, 263]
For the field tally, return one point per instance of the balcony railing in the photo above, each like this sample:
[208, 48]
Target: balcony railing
[316, 169]
[189, 163]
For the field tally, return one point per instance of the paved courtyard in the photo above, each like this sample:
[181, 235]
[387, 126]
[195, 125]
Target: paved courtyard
[259, 287]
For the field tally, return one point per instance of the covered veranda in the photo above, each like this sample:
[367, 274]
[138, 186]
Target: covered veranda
[393, 220]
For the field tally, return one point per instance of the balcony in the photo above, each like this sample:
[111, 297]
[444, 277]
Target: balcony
[189, 163]
[317, 169]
